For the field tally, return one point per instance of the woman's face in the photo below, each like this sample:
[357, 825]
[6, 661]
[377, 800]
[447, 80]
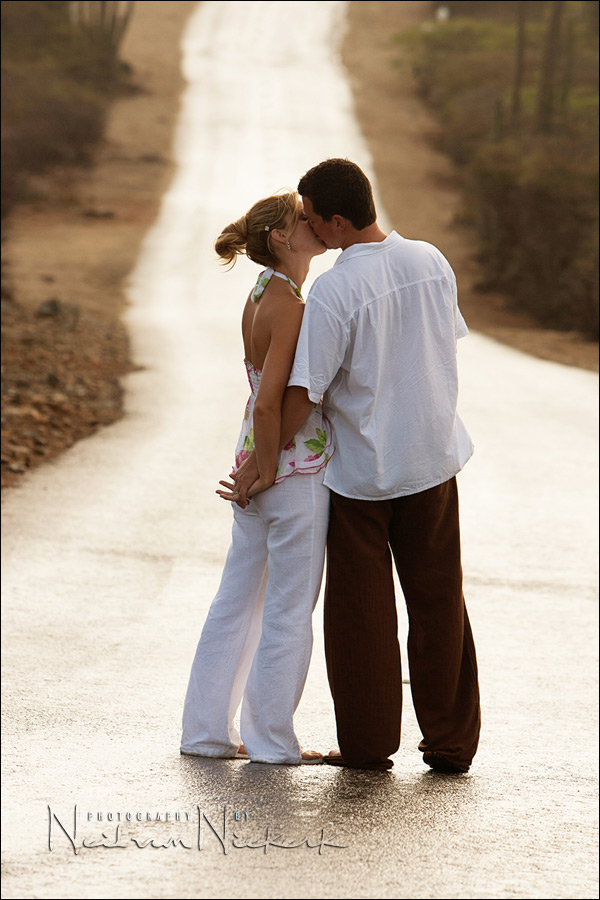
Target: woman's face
[303, 239]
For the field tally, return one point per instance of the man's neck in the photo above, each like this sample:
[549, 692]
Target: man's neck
[372, 234]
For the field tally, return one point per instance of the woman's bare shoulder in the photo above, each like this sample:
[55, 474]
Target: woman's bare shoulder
[281, 296]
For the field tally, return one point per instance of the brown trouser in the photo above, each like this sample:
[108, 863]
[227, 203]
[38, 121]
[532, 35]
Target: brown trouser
[361, 626]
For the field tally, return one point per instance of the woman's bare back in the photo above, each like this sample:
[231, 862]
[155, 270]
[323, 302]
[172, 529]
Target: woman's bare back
[278, 311]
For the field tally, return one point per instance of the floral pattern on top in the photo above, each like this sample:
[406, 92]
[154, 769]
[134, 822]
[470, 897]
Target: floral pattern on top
[312, 447]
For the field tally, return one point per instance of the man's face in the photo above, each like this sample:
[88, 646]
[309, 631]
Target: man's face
[328, 232]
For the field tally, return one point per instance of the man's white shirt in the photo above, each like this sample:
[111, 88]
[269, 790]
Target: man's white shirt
[378, 344]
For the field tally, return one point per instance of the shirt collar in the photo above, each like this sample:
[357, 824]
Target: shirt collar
[368, 248]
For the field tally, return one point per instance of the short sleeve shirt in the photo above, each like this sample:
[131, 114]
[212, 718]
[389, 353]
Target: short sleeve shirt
[378, 344]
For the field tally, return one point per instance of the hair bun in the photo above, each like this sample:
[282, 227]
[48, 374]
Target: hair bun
[232, 240]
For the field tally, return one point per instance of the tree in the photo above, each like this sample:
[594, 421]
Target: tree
[546, 94]
[515, 112]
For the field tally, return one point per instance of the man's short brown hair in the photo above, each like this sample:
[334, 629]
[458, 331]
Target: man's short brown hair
[337, 187]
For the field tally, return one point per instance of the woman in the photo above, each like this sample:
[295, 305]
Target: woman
[257, 639]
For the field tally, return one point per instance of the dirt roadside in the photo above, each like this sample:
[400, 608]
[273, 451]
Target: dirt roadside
[68, 252]
[70, 248]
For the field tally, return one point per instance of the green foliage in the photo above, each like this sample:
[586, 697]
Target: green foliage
[530, 193]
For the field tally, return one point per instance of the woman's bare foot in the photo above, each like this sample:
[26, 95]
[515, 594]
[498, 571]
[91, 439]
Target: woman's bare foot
[310, 757]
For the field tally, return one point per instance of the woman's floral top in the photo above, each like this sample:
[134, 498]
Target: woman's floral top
[311, 448]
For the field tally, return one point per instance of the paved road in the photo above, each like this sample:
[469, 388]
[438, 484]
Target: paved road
[112, 555]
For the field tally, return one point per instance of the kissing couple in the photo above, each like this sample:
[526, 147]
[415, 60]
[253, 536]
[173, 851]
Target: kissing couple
[351, 441]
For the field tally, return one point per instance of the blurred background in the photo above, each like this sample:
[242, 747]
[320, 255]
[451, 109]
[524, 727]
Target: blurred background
[481, 118]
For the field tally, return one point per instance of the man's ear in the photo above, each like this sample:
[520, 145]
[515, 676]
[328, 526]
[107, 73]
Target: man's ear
[340, 223]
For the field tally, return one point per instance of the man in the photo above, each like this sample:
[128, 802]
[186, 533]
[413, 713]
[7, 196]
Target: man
[378, 343]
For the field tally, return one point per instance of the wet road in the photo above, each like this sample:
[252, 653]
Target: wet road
[113, 553]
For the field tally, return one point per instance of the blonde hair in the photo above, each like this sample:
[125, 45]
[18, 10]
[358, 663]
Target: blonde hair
[252, 233]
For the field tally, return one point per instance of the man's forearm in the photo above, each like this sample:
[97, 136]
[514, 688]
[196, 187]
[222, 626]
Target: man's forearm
[295, 411]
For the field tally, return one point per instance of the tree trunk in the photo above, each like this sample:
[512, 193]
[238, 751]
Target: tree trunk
[515, 111]
[546, 99]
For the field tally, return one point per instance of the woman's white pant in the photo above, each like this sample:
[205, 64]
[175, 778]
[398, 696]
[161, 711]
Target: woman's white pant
[257, 638]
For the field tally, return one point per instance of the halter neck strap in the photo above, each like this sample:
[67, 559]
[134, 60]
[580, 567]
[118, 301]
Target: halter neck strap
[263, 280]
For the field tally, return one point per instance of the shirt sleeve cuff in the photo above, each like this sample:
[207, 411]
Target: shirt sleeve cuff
[461, 327]
[299, 381]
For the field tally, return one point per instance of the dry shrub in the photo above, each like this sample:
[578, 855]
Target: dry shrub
[55, 92]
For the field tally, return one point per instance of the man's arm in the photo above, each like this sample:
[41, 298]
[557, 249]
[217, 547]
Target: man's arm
[296, 409]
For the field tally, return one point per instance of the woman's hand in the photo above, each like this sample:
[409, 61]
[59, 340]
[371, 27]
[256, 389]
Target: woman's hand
[231, 494]
[246, 479]
[243, 499]
[245, 483]
[261, 484]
